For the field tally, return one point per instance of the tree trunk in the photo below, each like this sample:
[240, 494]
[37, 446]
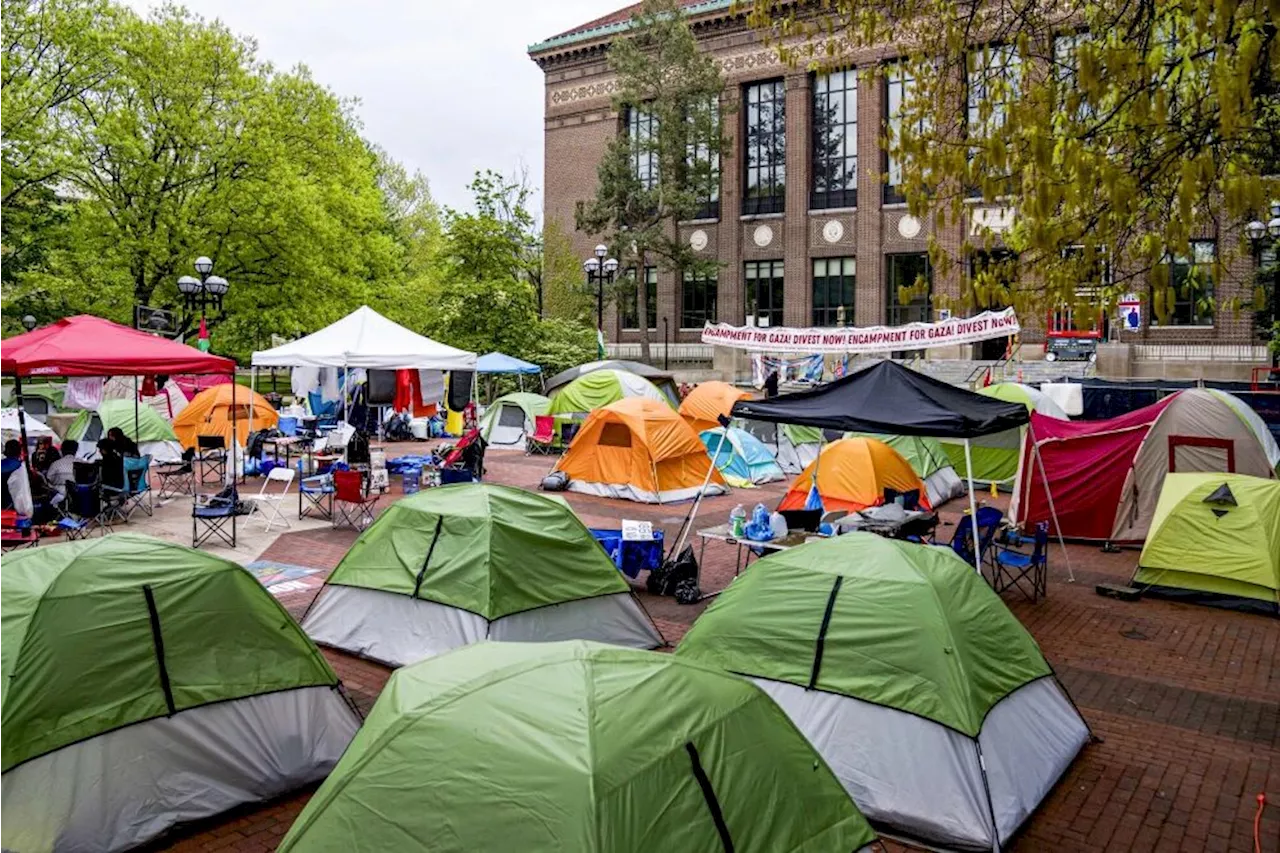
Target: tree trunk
[642, 309]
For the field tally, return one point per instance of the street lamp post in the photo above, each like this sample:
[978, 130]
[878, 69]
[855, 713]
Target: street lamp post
[600, 273]
[1260, 236]
[204, 292]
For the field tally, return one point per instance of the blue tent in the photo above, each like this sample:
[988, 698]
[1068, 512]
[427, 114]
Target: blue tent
[496, 362]
[743, 459]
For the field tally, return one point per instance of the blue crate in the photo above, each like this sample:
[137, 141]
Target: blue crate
[630, 557]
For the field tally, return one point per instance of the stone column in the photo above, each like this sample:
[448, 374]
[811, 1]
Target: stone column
[730, 303]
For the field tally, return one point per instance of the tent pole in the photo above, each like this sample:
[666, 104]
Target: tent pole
[22, 417]
[973, 507]
[235, 433]
[253, 390]
[1035, 448]
[697, 501]
[135, 408]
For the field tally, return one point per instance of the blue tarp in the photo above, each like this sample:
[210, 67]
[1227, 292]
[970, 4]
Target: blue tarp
[496, 362]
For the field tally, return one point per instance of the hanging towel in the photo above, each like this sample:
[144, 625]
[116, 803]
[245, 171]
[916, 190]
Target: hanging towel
[304, 380]
[329, 388]
[84, 392]
[432, 386]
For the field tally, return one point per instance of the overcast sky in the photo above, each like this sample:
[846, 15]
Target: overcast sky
[445, 86]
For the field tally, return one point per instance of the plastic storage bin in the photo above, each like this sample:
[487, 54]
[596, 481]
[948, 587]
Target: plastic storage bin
[630, 557]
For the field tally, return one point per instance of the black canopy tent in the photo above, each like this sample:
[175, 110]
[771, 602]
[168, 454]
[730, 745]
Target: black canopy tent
[891, 399]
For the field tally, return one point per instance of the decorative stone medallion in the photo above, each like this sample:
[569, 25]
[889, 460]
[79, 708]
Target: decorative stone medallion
[832, 231]
[909, 226]
[698, 240]
[762, 236]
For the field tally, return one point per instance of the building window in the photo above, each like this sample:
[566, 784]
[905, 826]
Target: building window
[766, 148]
[764, 292]
[833, 287]
[1069, 100]
[627, 297]
[704, 160]
[698, 301]
[835, 140]
[899, 90]
[903, 271]
[1190, 278]
[992, 83]
[642, 128]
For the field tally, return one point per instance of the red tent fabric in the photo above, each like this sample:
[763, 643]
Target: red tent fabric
[91, 346]
[1086, 463]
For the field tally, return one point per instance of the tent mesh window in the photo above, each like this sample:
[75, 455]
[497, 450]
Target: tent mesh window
[94, 431]
[615, 435]
[511, 416]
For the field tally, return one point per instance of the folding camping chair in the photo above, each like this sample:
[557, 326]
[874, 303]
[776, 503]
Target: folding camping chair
[352, 505]
[176, 478]
[962, 541]
[544, 433]
[12, 536]
[1028, 573]
[212, 457]
[315, 497]
[83, 511]
[213, 513]
[134, 493]
[268, 504]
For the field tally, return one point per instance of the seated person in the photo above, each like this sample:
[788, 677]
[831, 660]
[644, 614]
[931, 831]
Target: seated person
[124, 445]
[111, 462]
[45, 455]
[11, 462]
[63, 471]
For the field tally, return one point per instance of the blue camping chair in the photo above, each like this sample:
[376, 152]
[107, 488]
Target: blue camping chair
[211, 515]
[1028, 573]
[134, 493]
[962, 542]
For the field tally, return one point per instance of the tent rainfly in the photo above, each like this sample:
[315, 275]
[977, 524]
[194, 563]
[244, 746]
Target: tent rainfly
[930, 701]
[660, 378]
[793, 447]
[889, 398]
[996, 456]
[154, 435]
[1215, 539]
[576, 746]
[705, 404]
[930, 461]
[460, 564]
[146, 685]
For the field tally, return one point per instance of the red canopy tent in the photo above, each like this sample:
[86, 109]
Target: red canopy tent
[1087, 463]
[91, 346]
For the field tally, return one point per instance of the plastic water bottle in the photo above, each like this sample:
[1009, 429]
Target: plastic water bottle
[778, 523]
[737, 519]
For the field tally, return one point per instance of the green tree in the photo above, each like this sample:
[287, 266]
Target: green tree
[653, 179]
[564, 295]
[1117, 131]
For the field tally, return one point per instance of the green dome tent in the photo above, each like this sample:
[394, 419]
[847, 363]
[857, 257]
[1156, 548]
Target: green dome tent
[996, 456]
[600, 388]
[929, 700]
[458, 564]
[1215, 538]
[146, 684]
[510, 419]
[929, 460]
[154, 435]
[576, 747]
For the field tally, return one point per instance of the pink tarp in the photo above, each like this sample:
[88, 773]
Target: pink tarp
[1086, 463]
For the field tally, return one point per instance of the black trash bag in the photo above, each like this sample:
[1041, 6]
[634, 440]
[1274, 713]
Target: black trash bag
[667, 578]
[556, 481]
[358, 449]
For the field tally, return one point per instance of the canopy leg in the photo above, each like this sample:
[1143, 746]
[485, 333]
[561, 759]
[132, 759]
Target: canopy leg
[235, 434]
[253, 390]
[22, 416]
[1053, 513]
[135, 409]
[973, 507]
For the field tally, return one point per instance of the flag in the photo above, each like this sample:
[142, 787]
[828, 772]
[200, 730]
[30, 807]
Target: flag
[600, 344]
[202, 342]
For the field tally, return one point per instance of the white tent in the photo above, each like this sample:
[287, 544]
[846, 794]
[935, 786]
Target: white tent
[364, 338]
[35, 427]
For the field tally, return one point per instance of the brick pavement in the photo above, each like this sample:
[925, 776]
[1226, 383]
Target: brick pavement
[1185, 699]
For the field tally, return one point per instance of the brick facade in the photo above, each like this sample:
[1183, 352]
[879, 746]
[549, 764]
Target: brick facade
[579, 121]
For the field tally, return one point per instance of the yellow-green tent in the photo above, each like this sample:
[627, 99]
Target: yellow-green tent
[1215, 538]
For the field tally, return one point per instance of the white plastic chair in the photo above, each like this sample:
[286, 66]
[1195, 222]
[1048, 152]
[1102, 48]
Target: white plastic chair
[268, 504]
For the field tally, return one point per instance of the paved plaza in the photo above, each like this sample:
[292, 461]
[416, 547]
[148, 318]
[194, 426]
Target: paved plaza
[1184, 699]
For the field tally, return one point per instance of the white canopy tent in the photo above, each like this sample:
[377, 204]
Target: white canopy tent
[364, 338]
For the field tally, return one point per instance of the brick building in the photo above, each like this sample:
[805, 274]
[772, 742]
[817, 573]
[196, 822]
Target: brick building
[814, 236]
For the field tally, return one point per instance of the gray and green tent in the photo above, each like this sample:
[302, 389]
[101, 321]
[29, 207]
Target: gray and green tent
[146, 684]
[930, 701]
[154, 435]
[511, 418]
[794, 447]
[458, 564]
[576, 746]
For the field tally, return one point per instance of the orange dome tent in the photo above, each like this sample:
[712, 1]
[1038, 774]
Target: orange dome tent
[209, 413]
[852, 474]
[641, 450]
[708, 401]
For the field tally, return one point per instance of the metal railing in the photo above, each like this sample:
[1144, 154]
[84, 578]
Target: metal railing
[679, 354]
[1200, 352]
